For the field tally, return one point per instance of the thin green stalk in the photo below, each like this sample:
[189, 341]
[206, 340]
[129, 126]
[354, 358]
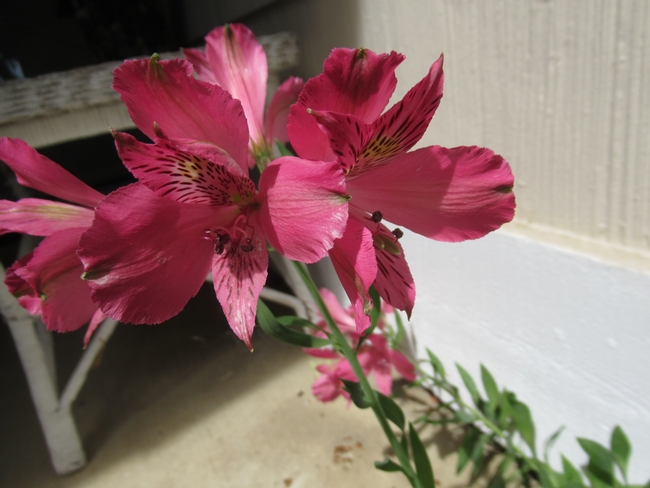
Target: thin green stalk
[343, 345]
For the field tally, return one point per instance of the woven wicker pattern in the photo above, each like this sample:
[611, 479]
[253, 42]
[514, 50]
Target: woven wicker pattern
[90, 86]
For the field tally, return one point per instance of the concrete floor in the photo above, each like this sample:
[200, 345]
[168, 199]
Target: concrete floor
[184, 404]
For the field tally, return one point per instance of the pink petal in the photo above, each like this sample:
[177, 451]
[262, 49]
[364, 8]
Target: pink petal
[239, 66]
[383, 377]
[36, 171]
[166, 93]
[201, 65]
[401, 127]
[146, 256]
[403, 366]
[347, 136]
[22, 290]
[239, 273]
[183, 174]
[328, 386]
[54, 275]
[303, 207]
[394, 281]
[322, 353]
[41, 217]
[343, 319]
[97, 318]
[444, 194]
[353, 257]
[358, 82]
[278, 112]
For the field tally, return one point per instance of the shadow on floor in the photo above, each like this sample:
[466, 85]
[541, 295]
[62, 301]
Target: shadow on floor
[193, 363]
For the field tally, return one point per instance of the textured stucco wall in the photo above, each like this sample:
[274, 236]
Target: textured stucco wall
[558, 87]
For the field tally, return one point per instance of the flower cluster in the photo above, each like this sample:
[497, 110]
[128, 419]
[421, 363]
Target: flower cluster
[140, 253]
[374, 354]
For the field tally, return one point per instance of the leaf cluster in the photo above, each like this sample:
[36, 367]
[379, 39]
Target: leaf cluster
[498, 421]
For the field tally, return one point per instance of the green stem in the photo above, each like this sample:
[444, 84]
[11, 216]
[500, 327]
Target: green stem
[345, 348]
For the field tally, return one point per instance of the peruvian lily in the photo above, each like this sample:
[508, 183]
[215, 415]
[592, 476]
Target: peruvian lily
[375, 355]
[47, 281]
[444, 194]
[194, 209]
[235, 61]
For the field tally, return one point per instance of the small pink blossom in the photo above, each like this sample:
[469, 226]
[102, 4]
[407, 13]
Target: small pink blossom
[375, 355]
[234, 60]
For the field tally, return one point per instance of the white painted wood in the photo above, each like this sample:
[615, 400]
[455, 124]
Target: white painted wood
[61, 436]
[70, 105]
[80, 373]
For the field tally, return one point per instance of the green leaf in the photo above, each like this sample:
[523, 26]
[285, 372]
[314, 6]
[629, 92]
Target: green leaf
[277, 330]
[467, 448]
[601, 461]
[376, 308]
[284, 150]
[497, 481]
[505, 408]
[551, 440]
[437, 365]
[571, 473]
[477, 453]
[524, 424]
[421, 459]
[505, 463]
[401, 332]
[392, 410]
[374, 316]
[621, 449]
[469, 384]
[404, 442]
[294, 321]
[388, 465]
[546, 475]
[357, 395]
[464, 417]
[491, 389]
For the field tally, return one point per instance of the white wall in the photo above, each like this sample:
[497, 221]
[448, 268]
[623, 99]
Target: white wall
[568, 333]
[560, 88]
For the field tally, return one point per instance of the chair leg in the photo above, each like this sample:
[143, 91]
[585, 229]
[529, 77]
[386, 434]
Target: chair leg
[61, 435]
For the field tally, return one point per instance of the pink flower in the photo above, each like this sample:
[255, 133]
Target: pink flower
[377, 358]
[153, 243]
[444, 194]
[329, 386]
[47, 280]
[375, 355]
[235, 61]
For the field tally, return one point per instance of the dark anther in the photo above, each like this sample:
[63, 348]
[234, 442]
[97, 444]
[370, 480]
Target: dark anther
[247, 247]
[397, 232]
[377, 216]
[220, 242]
